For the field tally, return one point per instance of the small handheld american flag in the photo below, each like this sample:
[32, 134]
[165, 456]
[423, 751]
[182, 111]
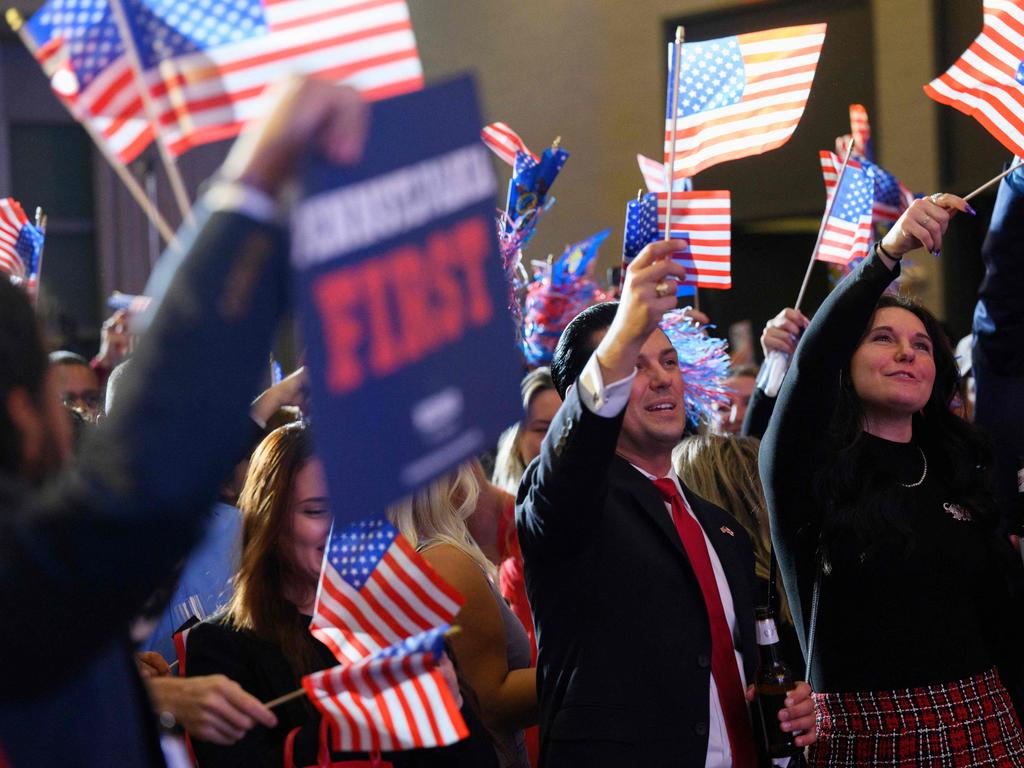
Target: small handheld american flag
[847, 231]
[395, 699]
[21, 242]
[376, 590]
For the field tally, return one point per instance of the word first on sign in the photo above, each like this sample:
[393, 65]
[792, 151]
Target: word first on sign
[403, 301]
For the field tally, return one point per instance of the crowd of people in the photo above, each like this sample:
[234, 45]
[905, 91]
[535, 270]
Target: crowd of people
[162, 533]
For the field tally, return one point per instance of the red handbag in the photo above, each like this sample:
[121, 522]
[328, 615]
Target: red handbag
[323, 758]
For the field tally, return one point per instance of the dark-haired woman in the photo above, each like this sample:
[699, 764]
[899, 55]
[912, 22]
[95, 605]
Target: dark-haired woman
[262, 641]
[879, 493]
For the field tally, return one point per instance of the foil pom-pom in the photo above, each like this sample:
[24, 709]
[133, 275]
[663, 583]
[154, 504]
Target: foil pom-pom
[704, 362]
[548, 309]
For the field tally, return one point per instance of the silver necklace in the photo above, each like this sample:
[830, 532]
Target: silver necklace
[924, 473]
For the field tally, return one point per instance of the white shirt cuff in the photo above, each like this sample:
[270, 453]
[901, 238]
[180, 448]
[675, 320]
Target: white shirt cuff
[601, 400]
[234, 197]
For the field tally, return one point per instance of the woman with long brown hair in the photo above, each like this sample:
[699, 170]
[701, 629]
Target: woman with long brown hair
[262, 640]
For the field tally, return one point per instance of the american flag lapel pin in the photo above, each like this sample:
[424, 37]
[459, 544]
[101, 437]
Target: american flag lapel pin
[727, 530]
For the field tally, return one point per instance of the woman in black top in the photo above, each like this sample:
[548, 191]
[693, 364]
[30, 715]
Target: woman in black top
[262, 641]
[874, 483]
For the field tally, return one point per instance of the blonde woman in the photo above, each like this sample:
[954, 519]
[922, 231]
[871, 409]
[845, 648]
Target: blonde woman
[492, 651]
[723, 470]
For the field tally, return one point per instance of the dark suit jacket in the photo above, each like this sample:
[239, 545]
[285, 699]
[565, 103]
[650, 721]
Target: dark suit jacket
[625, 649]
[79, 557]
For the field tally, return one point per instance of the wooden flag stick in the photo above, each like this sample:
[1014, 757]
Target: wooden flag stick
[670, 170]
[40, 222]
[995, 180]
[17, 24]
[300, 692]
[821, 229]
[170, 166]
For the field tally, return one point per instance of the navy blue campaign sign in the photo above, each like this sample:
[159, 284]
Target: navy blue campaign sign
[404, 305]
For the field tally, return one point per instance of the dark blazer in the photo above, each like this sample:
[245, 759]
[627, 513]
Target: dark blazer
[625, 649]
[79, 557]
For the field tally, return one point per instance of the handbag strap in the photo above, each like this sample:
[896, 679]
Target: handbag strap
[813, 625]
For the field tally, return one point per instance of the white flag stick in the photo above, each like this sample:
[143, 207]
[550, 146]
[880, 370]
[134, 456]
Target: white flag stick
[170, 166]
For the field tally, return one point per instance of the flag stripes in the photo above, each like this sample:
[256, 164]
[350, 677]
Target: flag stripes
[705, 218]
[397, 699]
[771, 89]
[986, 81]
[504, 142]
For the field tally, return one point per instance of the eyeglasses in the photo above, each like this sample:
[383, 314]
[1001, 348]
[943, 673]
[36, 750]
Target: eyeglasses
[90, 399]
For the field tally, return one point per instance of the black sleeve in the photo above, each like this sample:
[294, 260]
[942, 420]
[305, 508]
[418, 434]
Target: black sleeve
[758, 414]
[213, 649]
[998, 355]
[78, 558]
[567, 483]
[795, 439]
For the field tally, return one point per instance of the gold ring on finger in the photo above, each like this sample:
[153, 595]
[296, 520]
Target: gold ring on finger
[663, 289]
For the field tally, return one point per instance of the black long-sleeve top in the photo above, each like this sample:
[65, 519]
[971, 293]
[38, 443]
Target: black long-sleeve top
[895, 611]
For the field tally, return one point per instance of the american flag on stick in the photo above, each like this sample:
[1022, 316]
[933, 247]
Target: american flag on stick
[21, 242]
[740, 95]
[395, 699]
[376, 590]
[705, 220]
[655, 175]
[505, 143]
[208, 63]
[987, 81]
[847, 231]
[891, 197]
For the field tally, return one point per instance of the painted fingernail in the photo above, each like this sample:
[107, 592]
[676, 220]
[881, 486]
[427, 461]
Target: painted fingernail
[789, 702]
[971, 211]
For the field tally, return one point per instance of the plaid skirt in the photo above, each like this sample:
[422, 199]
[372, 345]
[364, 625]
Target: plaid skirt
[969, 722]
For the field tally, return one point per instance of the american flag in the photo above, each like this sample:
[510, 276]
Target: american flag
[654, 174]
[641, 227]
[208, 63]
[376, 590]
[505, 142]
[21, 242]
[395, 699]
[80, 49]
[860, 130]
[987, 81]
[892, 198]
[705, 220]
[740, 95]
[848, 230]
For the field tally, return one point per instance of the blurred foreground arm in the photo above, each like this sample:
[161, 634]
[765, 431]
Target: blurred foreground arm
[77, 559]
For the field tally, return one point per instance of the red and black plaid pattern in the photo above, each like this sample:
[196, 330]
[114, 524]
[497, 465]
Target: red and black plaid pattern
[970, 722]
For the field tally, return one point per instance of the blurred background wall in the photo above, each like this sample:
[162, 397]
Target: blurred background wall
[592, 72]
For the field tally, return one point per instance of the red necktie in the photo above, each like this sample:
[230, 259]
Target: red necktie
[723, 659]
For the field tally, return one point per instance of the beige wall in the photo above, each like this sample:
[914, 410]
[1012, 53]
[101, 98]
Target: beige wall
[592, 71]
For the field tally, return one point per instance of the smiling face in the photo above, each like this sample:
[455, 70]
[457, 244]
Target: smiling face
[655, 416]
[893, 369]
[310, 522]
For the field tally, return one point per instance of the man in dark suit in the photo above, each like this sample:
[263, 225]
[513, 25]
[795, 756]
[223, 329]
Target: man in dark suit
[642, 592]
[82, 546]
